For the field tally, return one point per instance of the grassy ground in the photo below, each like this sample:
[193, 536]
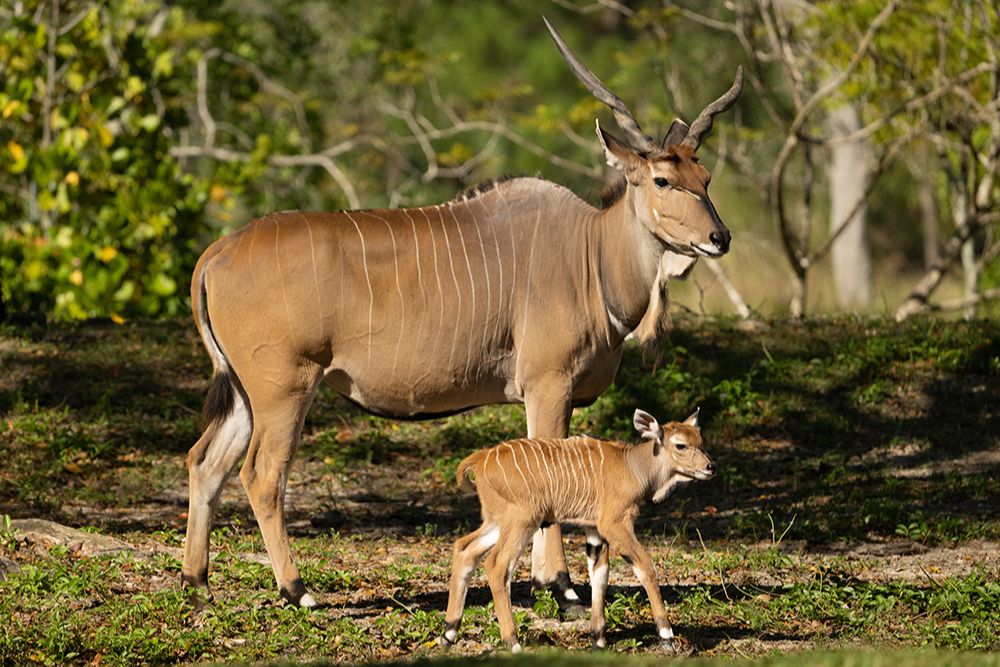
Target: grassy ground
[857, 504]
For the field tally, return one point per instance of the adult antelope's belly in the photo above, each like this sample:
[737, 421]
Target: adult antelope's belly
[426, 394]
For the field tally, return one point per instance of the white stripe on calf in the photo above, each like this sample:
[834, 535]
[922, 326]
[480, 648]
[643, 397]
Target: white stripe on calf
[489, 538]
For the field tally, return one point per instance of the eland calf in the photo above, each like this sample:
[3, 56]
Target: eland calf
[598, 484]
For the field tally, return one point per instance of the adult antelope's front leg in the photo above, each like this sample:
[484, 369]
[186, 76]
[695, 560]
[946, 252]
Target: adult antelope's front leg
[548, 404]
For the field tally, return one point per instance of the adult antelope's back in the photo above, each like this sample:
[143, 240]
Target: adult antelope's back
[517, 292]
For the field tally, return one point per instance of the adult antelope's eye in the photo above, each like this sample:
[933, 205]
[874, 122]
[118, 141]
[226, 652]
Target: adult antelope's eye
[661, 182]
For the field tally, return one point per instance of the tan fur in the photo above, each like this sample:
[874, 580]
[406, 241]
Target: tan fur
[517, 293]
[598, 484]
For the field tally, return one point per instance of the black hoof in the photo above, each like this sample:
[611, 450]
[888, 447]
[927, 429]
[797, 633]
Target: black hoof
[668, 646]
[198, 593]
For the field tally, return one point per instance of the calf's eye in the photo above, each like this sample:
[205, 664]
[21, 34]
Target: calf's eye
[680, 447]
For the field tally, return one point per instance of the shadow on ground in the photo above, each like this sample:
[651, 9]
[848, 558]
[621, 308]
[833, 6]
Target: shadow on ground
[837, 430]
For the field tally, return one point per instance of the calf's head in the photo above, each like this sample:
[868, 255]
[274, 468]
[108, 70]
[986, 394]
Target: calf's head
[677, 446]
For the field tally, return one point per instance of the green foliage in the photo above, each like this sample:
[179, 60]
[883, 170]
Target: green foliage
[545, 605]
[101, 221]
[8, 536]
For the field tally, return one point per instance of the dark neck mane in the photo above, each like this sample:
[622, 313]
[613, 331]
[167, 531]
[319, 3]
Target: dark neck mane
[612, 193]
[484, 187]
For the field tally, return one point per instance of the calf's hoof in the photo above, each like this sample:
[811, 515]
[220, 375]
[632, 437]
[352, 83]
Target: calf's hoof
[668, 645]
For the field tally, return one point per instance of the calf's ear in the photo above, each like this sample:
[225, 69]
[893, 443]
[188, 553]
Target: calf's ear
[693, 419]
[646, 425]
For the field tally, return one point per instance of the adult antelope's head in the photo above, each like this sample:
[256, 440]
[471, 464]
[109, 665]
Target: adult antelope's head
[667, 187]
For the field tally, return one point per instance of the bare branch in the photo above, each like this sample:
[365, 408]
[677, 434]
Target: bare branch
[885, 161]
[419, 134]
[221, 154]
[792, 138]
[734, 295]
[960, 304]
[271, 86]
[916, 103]
[326, 163]
[917, 300]
[204, 113]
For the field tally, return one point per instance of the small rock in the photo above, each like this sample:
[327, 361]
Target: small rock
[49, 534]
[7, 567]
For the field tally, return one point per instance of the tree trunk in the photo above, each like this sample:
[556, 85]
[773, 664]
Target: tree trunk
[848, 173]
[970, 273]
[930, 221]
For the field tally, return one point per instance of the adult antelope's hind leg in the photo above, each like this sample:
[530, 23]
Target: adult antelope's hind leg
[210, 462]
[466, 554]
[548, 403]
[278, 416]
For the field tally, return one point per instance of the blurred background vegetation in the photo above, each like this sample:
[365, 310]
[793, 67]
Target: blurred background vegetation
[859, 171]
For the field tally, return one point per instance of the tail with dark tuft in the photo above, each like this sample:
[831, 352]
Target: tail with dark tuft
[220, 400]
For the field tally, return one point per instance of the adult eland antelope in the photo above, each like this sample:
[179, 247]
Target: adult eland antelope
[518, 291]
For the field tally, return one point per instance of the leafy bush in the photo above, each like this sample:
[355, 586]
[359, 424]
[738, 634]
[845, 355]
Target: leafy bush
[100, 220]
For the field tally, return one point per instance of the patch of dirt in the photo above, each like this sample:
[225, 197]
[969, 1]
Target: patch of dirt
[907, 561]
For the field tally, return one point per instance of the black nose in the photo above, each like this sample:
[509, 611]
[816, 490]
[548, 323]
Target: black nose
[720, 240]
[710, 467]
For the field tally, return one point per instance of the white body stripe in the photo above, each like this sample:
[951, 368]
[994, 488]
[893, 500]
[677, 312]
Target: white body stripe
[458, 291]
[368, 279]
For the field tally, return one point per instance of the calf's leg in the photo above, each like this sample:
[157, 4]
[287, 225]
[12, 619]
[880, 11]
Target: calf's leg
[621, 537]
[466, 554]
[499, 569]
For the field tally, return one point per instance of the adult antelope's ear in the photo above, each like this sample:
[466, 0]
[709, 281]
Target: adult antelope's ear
[621, 156]
[675, 135]
[693, 419]
[646, 425]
